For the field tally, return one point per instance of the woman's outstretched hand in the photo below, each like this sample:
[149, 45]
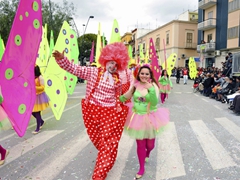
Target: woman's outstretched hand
[58, 55]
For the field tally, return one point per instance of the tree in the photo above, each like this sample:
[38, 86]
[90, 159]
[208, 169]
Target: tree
[7, 13]
[85, 45]
[53, 14]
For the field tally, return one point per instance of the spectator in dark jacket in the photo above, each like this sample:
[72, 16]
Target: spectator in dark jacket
[208, 84]
[178, 75]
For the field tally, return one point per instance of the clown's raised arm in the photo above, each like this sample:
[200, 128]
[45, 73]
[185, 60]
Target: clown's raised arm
[82, 72]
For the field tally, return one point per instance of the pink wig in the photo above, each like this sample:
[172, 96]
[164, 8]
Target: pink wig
[115, 52]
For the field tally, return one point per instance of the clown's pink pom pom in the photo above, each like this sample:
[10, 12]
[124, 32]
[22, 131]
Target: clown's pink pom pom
[115, 52]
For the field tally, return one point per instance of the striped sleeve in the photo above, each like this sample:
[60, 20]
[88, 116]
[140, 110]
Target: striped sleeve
[79, 71]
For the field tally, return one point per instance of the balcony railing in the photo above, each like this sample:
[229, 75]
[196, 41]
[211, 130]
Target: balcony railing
[190, 45]
[206, 48]
[206, 25]
[205, 4]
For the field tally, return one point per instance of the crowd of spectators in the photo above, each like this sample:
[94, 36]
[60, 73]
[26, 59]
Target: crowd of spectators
[217, 83]
[221, 88]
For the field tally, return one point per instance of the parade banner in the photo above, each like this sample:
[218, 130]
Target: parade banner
[54, 75]
[98, 46]
[154, 61]
[71, 80]
[192, 68]
[115, 36]
[18, 62]
[2, 48]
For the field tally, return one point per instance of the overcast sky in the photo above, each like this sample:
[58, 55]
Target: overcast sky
[130, 14]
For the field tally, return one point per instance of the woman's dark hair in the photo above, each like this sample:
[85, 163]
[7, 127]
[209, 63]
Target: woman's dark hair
[163, 73]
[151, 76]
[37, 71]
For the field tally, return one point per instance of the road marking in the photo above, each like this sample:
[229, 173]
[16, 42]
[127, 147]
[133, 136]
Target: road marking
[169, 157]
[45, 119]
[123, 151]
[59, 159]
[217, 156]
[30, 144]
[178, 92]
[218, 107]
[76, 97]
[196, 95]
[205, 100]
[230, 126]
[82, 92]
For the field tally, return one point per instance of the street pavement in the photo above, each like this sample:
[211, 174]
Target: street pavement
[201, 142]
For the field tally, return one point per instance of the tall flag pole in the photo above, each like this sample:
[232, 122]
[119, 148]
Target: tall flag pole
[103, 41]
[51, 43]
[147, 55]
[154, 60]
[170, 62]
[165, 55]
[141, 53]
[2, 48]
[159, 58]
[98, 46]
[115, 36]
[71, 80]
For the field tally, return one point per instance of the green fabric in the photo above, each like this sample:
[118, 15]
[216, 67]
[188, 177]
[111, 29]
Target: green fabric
[165, 81]
[122, 98]
[141, 102]
[1, 99]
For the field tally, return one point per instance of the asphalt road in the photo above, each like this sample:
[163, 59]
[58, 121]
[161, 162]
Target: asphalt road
[202, 142]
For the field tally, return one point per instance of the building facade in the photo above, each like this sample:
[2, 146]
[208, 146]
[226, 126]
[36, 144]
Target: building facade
[126, 38]
[218, 30]
[177, 36]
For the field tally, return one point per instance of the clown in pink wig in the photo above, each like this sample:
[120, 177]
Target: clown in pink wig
[103, 114]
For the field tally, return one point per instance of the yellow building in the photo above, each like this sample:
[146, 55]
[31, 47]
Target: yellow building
[180, 37]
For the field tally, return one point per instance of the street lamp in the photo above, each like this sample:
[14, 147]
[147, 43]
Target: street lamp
[83, 27]
[87, 23]
[76, 29]
[81, 50]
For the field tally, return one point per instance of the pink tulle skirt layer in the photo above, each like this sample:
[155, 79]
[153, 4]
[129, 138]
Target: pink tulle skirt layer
[3, 114]
[4, 122]
[164, 89]
[146, 126]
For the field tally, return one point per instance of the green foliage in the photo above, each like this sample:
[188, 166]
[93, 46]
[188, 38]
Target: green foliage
[7, 13]
[54, 18]
[85, 45]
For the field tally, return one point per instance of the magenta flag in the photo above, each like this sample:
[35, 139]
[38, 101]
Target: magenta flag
[154, 60]
[18, 62]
